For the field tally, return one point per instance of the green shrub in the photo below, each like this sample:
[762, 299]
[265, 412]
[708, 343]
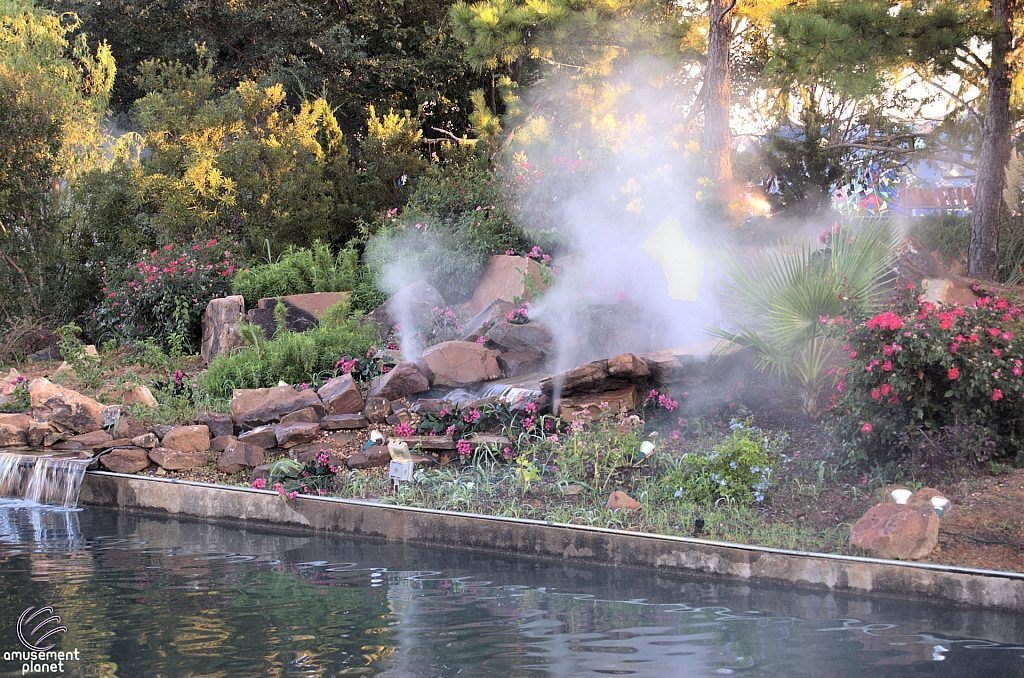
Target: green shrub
[931, 368]
[456, 218]
[293, 357]
[742, 468]
[303, 270]
[164, 295]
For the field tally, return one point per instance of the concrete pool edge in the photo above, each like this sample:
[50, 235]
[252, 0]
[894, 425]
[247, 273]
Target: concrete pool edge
[517, 536]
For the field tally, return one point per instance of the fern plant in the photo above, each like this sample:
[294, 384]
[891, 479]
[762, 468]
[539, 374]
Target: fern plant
[782, 298]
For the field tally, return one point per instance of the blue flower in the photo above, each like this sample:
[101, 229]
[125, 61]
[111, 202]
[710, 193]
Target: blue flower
[679, 493]
[732, 464]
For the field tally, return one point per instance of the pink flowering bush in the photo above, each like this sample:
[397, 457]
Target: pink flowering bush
[923, 369]
[289, 478]
[14, 397]
[165, 292]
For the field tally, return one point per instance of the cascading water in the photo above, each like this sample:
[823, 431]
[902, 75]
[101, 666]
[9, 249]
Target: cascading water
[44, 480]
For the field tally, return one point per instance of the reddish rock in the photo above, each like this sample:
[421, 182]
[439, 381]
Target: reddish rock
[127, 427]
[460, 363]
[175, 460]
[187, 439]
[147, 441]
[262, 471]
[220, 326]
[87, 441]
[314, 303]
[125, 460]
[65, 409]
[924, 496]
[514, 364]
[532, 338]
[413, 305]
[628, 366]
[306, 415]
[219, 423]
[14, 430]
[341, 396]
[37, 432]
[377, 455]
[399, 417]
[620, 501]
[343, 421]
[377, 410]
[503, 279]
[220, 443]
[238, 456]
[290, 435]
[263, 437]
[139, 394]
[597, 405]
[404, 379]
[897, 531]
[478, 325]
[255, 407]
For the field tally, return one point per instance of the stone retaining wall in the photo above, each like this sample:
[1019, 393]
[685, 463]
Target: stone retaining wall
[961, 586]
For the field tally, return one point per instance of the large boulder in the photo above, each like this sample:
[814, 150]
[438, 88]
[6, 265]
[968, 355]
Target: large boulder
[220, 326]
[14, 430]
[402, 380]
[340, 395]
[916, 266]
[176, 460]
[238, 456]
[597, 405]
[478, 325]
[315, 304]
[504, 279]
[296, 433]
[220, 424]
[139, 393]
[63, 408]
[897, 531]
[378, 455]
[532, 338]
[263, 437]
[295, 319]
[413, 305]
[598, 376]
[258, 406]
[187, 439]
[125, 460]
[460, 363]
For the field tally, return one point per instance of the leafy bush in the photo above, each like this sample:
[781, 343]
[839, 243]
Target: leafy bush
[593, 451]
[164, 295]
[293, 357]
[290, 478]
[782, 296]
[299, 271]
[456, 218]
[927, 367]
[741, 469]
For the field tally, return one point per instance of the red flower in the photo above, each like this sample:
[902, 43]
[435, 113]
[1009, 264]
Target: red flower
[953, 373]
[876, 394]
[996, 394]
[866, 428]
[887, 366]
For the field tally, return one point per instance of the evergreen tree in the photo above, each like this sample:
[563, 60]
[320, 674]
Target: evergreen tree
[862, 46]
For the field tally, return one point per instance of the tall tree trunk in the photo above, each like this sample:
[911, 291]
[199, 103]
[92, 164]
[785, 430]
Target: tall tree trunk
[983, 259]
[716, 94]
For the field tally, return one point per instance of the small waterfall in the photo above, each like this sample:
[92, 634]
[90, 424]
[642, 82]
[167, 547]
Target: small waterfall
[44, 480]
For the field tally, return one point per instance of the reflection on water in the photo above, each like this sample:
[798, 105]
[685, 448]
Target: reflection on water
[145, 596]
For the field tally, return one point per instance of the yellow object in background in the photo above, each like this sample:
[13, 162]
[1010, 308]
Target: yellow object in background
[679, 258]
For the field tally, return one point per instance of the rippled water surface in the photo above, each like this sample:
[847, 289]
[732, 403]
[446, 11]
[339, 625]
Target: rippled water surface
[145, 596]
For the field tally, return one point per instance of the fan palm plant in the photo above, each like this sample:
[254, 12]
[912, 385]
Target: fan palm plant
[782, 296]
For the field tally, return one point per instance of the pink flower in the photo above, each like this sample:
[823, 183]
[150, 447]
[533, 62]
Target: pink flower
[481, 340]
[403, 430]
[260, 484]
[866, 428]
[953, 373]
[1006, 336]
[876, 394]
[463, 447]
[292, 494]
[530, 408]
[993, 331]
[887, 366]
[997, 394]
